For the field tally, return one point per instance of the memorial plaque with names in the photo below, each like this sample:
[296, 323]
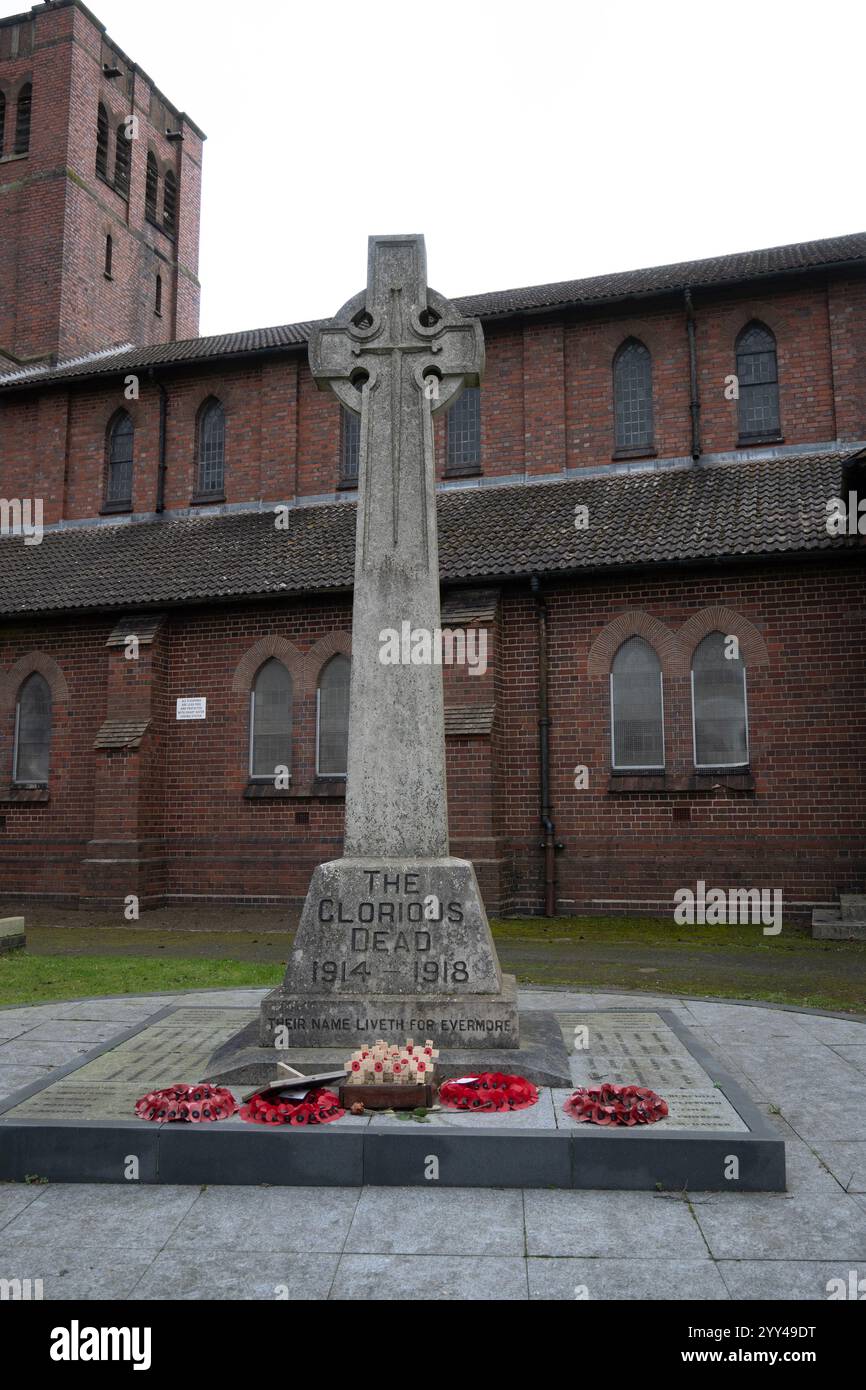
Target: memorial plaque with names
[628, 1048]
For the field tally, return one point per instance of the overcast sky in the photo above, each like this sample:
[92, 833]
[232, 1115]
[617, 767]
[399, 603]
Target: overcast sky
[529, 142]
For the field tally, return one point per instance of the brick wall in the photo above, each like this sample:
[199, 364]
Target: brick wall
[56, 212]
[547, 403]
[174, 810]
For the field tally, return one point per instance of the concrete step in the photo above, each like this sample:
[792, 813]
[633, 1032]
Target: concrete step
[853, 907]
[832, 925]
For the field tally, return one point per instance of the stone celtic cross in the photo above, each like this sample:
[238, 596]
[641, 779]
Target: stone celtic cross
[396, 353]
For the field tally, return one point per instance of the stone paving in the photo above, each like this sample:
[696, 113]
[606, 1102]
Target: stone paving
[805, 1070]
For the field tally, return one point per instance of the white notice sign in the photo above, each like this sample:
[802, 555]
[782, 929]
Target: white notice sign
[192, 707]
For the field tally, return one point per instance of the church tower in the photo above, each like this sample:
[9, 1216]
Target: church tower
[100, 186]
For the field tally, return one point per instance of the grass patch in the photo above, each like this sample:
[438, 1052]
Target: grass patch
[29, 979]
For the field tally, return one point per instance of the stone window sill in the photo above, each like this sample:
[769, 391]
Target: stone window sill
[207, 499]
[748, 441]
[322, 788]
[347, 485]
[113, 508]
[643, 451]
[736, 779]
[9, 158]
[467, 472]
[10, 795]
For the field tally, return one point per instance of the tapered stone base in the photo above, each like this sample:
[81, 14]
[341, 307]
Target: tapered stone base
[393, 949]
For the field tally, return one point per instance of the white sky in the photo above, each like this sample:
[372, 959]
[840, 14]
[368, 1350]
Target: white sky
[529, 142]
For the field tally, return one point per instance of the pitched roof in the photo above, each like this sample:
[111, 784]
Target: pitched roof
[597, 289]
[706, 512]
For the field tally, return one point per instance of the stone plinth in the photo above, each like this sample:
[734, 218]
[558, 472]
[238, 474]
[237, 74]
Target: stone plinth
[393, 949]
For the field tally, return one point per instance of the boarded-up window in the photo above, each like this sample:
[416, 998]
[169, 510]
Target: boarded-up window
[333, 718]
[32, 731]
[637, 718]
[721, 731]
[121, 159]
[151, 187]
[169, 202]
[22, 119]
[271, 721]
[102, 141]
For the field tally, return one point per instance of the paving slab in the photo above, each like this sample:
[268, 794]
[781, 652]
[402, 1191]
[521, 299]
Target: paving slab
[790, 1280]
[846, 1159]
[443, 1278]
[230, 1275]
[629, 1279]
[297, 1220]
[67, 1272]
[453, 1222]
[606, 1224]
[96, 1217]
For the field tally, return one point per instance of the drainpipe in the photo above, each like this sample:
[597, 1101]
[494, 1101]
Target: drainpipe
[549, 843]
[694, 395]
[163, 416]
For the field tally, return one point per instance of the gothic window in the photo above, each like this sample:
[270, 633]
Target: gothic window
[169, 202]
[636, 705]
[270, 721]
[121, 444]
[633, 397]
[350, 445]
[151, 187]
[721, 727]
[463, 426]
[121, 159]
[211, 449]
[2, 121]
[332, 721]
[102, 141]
[22, 119]
[32, 732]
[758, 378]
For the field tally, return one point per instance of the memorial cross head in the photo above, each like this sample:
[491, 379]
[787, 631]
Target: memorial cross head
[398, 322]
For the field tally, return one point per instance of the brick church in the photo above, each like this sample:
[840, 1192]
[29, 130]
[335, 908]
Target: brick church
[633, 507]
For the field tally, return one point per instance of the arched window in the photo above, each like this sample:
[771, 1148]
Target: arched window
[109, 255]
[463, 428]
[169, 202]
[211, 449]
[636, 707]
[22, 119]
[332, 718]
[721, 726]
[350, 446]
[151, 187]
[102, 141]
[121, 159]
[633, 398]
[32, 732]
[270, 721]
[2, 122]
[121, 445]
[758, 378]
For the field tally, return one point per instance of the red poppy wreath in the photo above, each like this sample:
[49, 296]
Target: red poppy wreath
[609, 1104]
[191, 1103]
[318, 1107]
[492, 1090]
